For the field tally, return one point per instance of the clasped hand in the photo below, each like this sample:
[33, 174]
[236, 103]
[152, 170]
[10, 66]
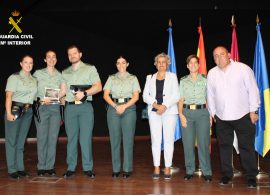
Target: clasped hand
[120, 109]
[160, 108]
[79, 95]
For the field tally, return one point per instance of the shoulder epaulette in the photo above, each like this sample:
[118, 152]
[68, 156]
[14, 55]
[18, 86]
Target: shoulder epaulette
[66, 69]
[131, 76]
[16, 73]
[112, 75]
[184, 77]
[88, 64]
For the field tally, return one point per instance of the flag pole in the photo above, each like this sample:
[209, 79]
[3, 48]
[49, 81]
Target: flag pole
[233, 21]
[235, 171]
[173, 168]
[198, 170]
[261, 173]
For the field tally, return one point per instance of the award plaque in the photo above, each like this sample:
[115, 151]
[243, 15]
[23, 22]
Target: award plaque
[52, 95]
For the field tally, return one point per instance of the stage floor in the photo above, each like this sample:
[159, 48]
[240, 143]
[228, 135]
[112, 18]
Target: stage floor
[139, 183]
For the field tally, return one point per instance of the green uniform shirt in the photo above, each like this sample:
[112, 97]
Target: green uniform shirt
[84, 75]
[193, 92]
[122, 87]
[46, 80]
[24, 87]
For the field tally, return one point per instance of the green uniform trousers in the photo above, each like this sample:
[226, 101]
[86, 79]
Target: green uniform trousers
[122, 126]
[198, 126]
[79, 122]
[15, 136]
[47, 135]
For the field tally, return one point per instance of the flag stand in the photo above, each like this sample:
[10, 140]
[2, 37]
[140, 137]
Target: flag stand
[173, 168]
[236, 172]
[261, 173]
[198, 171]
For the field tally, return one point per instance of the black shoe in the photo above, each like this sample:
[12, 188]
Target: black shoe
[23, 174]
[51, 172]
[127, 174]
[225, 181]
[90, 174]
[115, 174]
[167, 176]
[207, 178]
[40, 172]
[14, 175]
[188, 177]
[252, 183]
[69, 174]
[155, 175]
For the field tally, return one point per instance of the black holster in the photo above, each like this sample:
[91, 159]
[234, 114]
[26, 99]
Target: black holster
[35, 107]
[17, 110]
[62, 112]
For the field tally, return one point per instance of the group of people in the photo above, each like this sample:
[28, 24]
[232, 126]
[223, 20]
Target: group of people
[228, 96]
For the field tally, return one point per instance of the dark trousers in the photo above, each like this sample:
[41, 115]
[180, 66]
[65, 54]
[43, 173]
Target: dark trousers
[79, 123]
[122, 127]
[15, 135]
[245, 132]
[47, 135]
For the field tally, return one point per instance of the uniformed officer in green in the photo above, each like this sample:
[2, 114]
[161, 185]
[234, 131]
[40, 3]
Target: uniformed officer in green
[79, 115]
[195, 120]
[48, 124]
[121, 92]
[21, 90]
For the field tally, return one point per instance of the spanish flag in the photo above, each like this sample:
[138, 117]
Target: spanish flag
[202, 62]
[201, 53]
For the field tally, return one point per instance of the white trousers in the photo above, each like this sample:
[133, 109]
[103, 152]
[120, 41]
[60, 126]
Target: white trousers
[167, 123]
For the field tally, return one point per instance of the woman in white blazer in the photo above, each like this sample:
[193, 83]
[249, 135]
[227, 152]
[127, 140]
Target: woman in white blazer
[161, 94]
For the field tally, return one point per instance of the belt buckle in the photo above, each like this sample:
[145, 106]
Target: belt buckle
[26, 107]
[77, 102]
[192, 106]
[121, 100]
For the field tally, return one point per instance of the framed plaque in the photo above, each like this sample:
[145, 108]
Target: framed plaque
[52, 95]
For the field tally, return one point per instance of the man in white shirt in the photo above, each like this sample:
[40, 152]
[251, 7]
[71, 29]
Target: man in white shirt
[233, 100]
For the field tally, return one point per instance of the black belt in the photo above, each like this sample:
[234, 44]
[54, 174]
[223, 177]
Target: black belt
[121, 100]
[68, 103]
[41, 102]
[194, 106]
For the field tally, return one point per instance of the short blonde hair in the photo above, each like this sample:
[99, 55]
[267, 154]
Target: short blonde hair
[162, 55]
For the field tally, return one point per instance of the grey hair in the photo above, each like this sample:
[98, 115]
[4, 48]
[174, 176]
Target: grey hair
[162, 55]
